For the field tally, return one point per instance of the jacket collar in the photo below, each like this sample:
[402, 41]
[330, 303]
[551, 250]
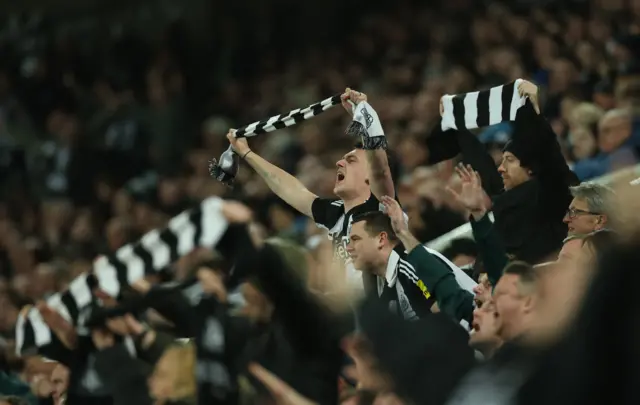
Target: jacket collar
[391, 273]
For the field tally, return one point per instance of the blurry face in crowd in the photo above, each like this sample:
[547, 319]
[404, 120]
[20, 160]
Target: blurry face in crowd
[604, 100]
[351, 176]
[512, 173]
[365, 249]
[583, 143]
[513, 304]
[412, 153]
[257, 307]
[580, 220]
[117, 233]
[486, 325]
[170, 191]
[173, 376]
[280, 218]
[369, 374]
[9, 313]
[562, 75]
[60, 382]
[571, 251]
[613, 131]
[561, 287]
[463, 260]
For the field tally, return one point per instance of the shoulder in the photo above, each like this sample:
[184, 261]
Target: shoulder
[406, 268]
[327, 211]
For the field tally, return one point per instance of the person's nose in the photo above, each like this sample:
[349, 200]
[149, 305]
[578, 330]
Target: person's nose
[341, 163]
[501, 169]
[350, 247]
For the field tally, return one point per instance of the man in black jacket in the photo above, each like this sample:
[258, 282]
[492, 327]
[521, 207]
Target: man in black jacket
[530, 190]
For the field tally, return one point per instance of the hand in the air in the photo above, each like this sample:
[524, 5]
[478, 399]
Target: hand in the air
[350, 98]
[471, 196]
[62, 328]
[212, 283]
[528, 89]
[395, 213]
[239, 145]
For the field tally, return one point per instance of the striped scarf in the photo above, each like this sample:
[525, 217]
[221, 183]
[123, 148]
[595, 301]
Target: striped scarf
[479, 109]
[202, 226]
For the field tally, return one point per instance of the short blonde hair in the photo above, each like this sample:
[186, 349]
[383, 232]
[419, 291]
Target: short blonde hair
[184, 385]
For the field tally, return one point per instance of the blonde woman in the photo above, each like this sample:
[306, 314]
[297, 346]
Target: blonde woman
[167, 377]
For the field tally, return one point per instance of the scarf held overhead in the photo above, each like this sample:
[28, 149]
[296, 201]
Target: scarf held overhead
[202, 226]
[479, 109]
[225, 169]
[367, 126]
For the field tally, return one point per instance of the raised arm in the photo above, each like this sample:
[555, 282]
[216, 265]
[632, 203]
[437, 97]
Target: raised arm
[373, 142]
[553, 173]
[452, 299]
[474, 199]
[380, 179]
[283, 184]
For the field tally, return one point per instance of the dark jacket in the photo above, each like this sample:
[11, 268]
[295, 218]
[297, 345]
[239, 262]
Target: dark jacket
[301, 344]
[490, 248]
[497, 380]
[11, 385]
[441, 282]
[426, 358]
[528, 217]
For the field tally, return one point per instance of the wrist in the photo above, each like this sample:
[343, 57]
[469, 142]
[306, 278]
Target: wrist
[244, 155]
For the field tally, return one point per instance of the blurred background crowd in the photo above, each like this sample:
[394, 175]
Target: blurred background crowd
[108, 115]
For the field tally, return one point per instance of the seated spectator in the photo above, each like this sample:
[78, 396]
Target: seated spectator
[615, 143]
[588, 209]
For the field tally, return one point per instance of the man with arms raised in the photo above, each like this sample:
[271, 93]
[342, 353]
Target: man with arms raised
[362, 177]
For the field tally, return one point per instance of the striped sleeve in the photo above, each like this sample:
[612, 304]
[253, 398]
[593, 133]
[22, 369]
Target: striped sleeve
[482, 108]
[203, 226]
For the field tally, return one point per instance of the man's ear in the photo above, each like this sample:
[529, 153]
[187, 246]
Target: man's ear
[382, 239]
[529, 303]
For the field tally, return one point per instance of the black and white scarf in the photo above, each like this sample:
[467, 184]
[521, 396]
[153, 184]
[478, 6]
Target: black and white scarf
[367, 126]
[482, 108]
[202, 226]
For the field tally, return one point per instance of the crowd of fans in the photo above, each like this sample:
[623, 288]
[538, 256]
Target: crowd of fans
[99, 147]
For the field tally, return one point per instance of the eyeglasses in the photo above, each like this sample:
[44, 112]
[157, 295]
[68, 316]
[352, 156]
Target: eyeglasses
[574, 212]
